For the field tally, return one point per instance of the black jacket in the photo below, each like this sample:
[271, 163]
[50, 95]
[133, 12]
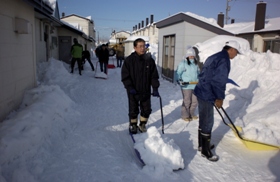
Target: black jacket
[103, 55]
[140, 73]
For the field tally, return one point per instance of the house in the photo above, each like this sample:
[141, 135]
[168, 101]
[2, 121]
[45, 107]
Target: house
[118, 37]
[18, 34]
[177, 32]
[150, 30]
[262, 34]
[31, 32]
[84, 24]
[128, 44]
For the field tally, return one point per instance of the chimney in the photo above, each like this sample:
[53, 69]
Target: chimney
[260, 15]
[138, 25]
[147, 21]
[142, 23]
[63, 14]
[232, 21]
[152, 19]
[221, 18]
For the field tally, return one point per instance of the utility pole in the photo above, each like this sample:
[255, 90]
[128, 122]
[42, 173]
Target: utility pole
[227, 10]
[98, 37]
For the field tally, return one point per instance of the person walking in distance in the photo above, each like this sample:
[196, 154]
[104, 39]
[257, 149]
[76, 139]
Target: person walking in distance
[210, 91]
[76, 52]
[103, 57]
[139, 73]
[120, 55]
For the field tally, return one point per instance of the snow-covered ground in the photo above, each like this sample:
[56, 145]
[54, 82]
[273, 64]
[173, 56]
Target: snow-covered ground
[75, 128]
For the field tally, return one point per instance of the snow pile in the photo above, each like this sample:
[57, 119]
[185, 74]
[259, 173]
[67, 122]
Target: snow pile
[258, 95]
[159, 155]
[39, 120]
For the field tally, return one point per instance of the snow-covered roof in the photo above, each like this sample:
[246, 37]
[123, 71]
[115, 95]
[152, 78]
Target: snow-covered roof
[86, 18]
[132, 38]
[209, 24]
[71, 26]
[210, 21]
[51, 3]
[271, 24]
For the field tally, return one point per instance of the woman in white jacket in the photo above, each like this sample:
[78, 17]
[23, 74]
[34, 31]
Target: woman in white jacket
[187, 76]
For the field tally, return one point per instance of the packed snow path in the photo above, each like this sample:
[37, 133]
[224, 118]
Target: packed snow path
[93, 144]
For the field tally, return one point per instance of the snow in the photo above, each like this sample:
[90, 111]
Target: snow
[134, 37]
[51, 3]
[75, 128]
[271, 24]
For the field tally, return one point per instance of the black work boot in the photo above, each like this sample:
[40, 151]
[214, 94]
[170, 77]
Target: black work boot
[200, 141]
[143, 122]
[133, 126]
[206, 151]
[142, 127]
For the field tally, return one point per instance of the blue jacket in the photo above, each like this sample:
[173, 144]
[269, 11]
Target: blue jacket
[213, 77]
[188, 73]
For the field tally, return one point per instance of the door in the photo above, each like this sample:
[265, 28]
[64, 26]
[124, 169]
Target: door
[65, 48]
[168, 57]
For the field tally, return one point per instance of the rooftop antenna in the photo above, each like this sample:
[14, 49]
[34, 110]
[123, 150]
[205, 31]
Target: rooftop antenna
[227, 10]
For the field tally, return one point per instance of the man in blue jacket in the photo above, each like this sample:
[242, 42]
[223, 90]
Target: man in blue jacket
[210, 90]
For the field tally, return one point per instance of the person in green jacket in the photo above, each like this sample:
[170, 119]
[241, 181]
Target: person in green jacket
[76, 52]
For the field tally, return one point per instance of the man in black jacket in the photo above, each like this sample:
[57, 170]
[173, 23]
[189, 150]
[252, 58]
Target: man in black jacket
[139, 74]
[86, 56]
[103, 57]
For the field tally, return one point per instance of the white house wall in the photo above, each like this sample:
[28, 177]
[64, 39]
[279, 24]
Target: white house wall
[41, 46]
[17, 55]
[185, 34]
[150, 31]
[40, 43]
[83, 24]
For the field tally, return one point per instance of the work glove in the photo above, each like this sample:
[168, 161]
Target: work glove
[155, 93]
[181, 83]
[132, 91]
[219, 103]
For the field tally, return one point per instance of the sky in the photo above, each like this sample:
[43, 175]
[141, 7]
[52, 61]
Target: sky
[75, 128]
[124, 15]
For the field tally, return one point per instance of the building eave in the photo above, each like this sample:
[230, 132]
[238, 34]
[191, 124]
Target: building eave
[182, 17]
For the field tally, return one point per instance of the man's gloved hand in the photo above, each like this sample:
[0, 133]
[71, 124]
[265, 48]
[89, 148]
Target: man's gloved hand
[155, 93]
[219, 103]
[132, 91]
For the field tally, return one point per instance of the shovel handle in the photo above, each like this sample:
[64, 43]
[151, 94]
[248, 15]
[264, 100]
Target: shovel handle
[237, 132]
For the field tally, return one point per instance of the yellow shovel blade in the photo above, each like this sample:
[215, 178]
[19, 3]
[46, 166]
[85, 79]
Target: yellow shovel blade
[251, 144]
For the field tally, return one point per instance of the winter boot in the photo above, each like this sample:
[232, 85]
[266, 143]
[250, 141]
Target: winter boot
[143, 122]
[133, 126]
[200, 141]
[205, 151]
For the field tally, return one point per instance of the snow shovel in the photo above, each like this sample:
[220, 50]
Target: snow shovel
[100, 74]
[250, 144]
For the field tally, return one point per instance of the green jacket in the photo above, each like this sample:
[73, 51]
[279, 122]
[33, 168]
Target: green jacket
[77, 50]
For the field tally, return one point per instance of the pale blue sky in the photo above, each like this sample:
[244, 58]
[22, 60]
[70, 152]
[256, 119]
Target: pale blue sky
[121, 15]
